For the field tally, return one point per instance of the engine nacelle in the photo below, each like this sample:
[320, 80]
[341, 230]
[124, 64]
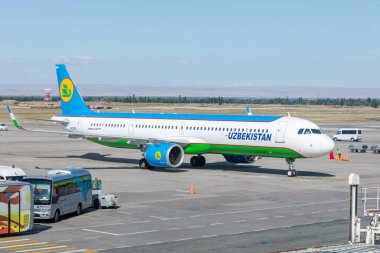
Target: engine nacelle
[164, 155]
[241, 158]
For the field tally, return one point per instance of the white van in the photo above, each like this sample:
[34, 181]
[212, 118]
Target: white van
[11, 173]
[348, 134]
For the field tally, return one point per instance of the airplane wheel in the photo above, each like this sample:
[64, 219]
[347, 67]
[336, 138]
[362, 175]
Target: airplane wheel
[194, 161]
[143, 164]
[294, 172]
[290, 173]
[202, 161]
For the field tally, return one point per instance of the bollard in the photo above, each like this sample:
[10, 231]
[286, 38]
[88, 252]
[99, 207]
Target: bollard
[354, 230]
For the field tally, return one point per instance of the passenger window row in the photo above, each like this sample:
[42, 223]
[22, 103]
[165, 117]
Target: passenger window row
[107, 125]
[190, 128]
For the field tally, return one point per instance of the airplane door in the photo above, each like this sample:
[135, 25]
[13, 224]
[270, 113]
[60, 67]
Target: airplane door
[280, 134]
[79, 124]
[131, 127]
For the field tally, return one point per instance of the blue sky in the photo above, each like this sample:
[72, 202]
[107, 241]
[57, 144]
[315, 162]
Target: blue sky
[331, 43]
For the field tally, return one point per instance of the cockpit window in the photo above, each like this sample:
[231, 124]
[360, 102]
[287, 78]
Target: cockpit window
[300, 131]
[307, 131]
[316, 131]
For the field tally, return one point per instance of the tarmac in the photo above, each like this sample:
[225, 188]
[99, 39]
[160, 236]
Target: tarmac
[243, 208]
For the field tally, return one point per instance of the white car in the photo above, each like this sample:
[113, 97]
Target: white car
[3, 127]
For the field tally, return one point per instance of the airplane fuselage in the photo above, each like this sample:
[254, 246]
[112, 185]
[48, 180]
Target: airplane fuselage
[267, 136]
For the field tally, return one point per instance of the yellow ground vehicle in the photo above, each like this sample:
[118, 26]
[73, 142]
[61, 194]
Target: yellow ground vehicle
[16, 207]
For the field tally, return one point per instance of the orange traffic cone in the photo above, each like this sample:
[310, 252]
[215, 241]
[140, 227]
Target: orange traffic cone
[192, 189]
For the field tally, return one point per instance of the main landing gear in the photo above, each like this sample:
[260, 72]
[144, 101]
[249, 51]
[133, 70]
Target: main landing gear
[291, 172]
[198, 161]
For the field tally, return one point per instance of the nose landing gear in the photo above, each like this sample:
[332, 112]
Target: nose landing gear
[291, 172]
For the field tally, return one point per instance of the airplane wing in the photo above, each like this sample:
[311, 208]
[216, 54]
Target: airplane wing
[182, 141]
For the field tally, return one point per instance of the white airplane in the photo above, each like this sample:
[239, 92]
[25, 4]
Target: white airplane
[164, 139]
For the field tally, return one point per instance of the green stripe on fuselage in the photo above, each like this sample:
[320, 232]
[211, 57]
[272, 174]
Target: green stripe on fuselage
[200, 148]
[241, 150]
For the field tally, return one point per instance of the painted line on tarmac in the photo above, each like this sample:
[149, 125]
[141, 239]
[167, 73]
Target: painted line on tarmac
[172, 218]
[208, 236]
[195, 226]
[198, 215]
[101, 232]
[139, 221]
[264, 218]
[297, 214]
[317, 212]
[141, 232]
[173, 228]
[124, 212]
[157, 217]
[23, 245]
[215, 224]
[18, 240]
[94, 226]
[332, 210]
[47, 248]
[279, 216]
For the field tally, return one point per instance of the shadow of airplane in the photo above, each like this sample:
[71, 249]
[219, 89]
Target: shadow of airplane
[224, 166]
[221, 166]
[97, 157]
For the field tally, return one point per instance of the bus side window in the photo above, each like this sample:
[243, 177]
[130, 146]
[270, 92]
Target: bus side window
[71, 188]
[55, 195]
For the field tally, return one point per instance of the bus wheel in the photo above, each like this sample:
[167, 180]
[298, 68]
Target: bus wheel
[56, 216]
[79, 209]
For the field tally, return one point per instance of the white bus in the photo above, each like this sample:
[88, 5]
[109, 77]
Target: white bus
[348, 134]
[60, 192]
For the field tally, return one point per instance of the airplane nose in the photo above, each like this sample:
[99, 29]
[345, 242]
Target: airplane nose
[329, 145]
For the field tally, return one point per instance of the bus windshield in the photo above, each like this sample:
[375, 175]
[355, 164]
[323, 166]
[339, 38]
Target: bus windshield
[41, 192]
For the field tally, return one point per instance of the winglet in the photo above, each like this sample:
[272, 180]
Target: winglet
[248, 110]
[13, 117]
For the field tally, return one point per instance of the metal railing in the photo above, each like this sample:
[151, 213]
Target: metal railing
[371, 200]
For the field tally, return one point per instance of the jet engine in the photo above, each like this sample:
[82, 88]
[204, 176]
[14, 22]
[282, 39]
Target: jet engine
[241, 158]
[164, 155]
